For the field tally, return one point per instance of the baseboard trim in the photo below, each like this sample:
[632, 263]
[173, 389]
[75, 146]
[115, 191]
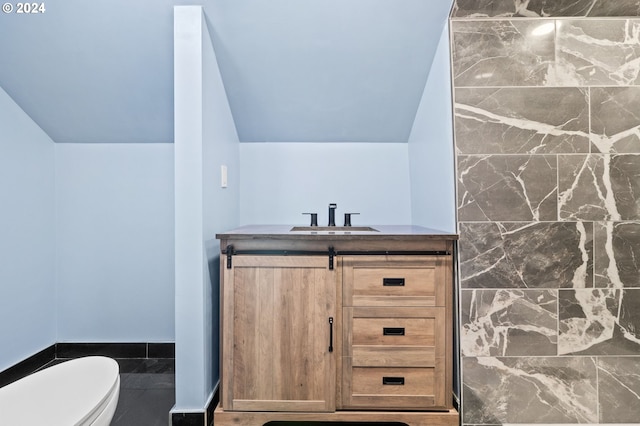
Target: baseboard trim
[27, 366]
[213, 403]
[198, 418]
[188, 419]
[116, 350]
[76, 350]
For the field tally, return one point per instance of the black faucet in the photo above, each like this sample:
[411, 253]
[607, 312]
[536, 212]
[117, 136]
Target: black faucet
[332, 214]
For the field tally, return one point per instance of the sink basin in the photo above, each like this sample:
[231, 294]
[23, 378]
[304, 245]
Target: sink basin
[333, 229]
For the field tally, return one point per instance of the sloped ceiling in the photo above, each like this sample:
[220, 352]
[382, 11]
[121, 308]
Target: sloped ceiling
[303, 70]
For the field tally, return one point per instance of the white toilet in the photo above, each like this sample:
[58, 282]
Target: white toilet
[80, 392]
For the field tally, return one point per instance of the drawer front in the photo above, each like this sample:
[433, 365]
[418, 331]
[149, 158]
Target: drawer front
[394, 331]
[394, 356]
[394, 388]
[402, 368]
[418, 283]
[394, 336]
[387, 281]
[392, 381]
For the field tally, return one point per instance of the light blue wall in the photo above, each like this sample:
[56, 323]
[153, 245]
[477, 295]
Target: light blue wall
[205, 138]
[27, 236]
[115, 242]
[431, 148]
[326, 71]
[221, 205]
[279, 181]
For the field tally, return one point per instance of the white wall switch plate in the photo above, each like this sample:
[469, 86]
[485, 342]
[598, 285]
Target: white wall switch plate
[223, 176]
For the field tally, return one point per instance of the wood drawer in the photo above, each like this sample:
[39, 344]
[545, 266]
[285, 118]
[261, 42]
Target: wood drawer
[418, 357]
[381, 388]
[392, 381]
[394, 331]
[421, 345]
[394, 280]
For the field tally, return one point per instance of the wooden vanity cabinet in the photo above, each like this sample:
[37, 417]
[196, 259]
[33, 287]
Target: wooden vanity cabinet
[395, 332]
[336, 329]
[279, 323]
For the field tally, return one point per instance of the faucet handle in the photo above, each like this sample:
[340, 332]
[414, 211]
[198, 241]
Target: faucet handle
[347, 218]
[332, 214]
[314, 218]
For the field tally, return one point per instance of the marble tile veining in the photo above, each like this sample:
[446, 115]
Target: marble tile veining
[597, 52]
[529, 390]
[514, 187]
[599, 322]
[501, 53]
[619, 383]
[615, 119]
[617, 254]
[526, 255]
[547, 144]
[521, 120]
[508, 322]
[483, 8]
[533, 8]
[584, 187]
[599, 187]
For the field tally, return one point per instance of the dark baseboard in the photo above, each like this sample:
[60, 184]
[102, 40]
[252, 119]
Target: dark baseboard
[198, 418]
[76, 350]
[28, 366]
[212, 405]
[161, 350]
[116, 350]
[112, 350]
[187, 419]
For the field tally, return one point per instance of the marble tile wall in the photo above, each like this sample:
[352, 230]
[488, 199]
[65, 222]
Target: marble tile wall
[547, 142]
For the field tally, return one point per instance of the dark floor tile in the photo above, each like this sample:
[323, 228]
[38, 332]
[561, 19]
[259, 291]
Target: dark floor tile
[147, 385]
[147, 381]
[127, 400]
[146, 365]
[144, 407]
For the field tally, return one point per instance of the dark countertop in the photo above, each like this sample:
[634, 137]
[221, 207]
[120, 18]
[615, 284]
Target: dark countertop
[384, 232]
[385, 239]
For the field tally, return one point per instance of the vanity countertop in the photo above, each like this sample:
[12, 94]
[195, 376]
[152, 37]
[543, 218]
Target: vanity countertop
[342, 232]
[394, 237]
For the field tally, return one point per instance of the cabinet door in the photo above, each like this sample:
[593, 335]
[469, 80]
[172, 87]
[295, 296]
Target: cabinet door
[279, 320]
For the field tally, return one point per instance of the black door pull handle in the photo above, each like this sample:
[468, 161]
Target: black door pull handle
[395, 381]
[330, 334]
[393, 282]
[393, 331]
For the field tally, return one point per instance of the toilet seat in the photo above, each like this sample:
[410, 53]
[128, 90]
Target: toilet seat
[73, 393]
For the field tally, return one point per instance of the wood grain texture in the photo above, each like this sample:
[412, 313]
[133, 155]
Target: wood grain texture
[275, 361]
[279, 308]
[424, 281]
[368, 353]
[410, 418]
[415, 331]
[368, 381]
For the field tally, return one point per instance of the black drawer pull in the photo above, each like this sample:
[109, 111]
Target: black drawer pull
[393, 282]
[330, 334]
[395, 381]
[393, 331]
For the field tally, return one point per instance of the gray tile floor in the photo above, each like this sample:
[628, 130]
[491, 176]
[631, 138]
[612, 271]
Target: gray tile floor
[147, 392]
